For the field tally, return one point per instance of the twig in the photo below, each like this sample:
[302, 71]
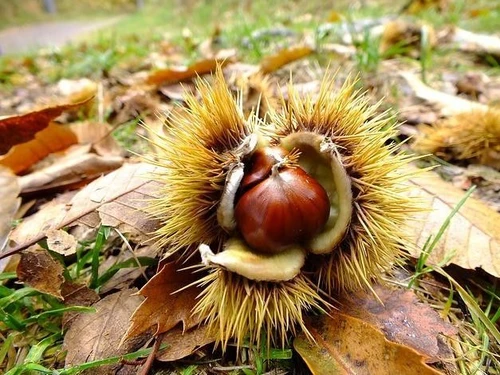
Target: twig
[151, 357]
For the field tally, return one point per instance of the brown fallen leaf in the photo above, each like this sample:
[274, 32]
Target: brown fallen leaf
[417, 6]
[99, 135]
[20, 129]
[41, 221]
[94, 336]
[163, 308]
[473, 236]
[9, 203]
[76, 295]
[181, 344]
[272, 63]
[120, 197]
[61, 242]
[472, 83]
[406, 37]
[402, 319]
[39, 270]
[71, 170]
[258, 94]
[181, 74]
[178, 91]
[51, 139]
[347, 345]
[135, 102]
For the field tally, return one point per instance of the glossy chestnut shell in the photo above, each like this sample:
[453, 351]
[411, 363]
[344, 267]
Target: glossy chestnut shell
[279, 206]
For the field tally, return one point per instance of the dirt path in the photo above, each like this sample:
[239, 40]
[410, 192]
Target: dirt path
[26, 38]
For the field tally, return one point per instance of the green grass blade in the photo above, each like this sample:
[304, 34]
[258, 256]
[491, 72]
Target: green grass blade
[129, 263]
[102, 236]
[8, 276]
[50, 313]
[29, 368]
[4, 349]
[17, 295]
[472, 306]
[106, 361]
[36, 352]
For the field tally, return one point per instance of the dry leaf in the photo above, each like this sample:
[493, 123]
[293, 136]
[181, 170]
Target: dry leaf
[406, 37]
[181, 344]
[9, 203]
[99, 135]
[136, 102]
[76, 295]
[39, 270]
[417, 6]
[476, 43]
[119, 197]
[77, 90]
[20, 129]
[51, 139]
[473, 236]
[69, 171]
[163, 308]
[61, 242]
[448, 104]
[347, 345]
[178, 91]
[402, 319]
[272, 63]
[94, 336]
[181, 74]
[39, 222]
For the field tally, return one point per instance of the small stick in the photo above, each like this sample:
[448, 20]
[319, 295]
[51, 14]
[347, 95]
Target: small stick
[151, 357]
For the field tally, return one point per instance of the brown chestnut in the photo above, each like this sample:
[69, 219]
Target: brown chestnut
[280, 205]
[260, 165]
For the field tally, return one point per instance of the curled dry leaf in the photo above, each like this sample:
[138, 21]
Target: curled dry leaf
[9, 203]
[94, 336]
[117, 198]
[20, 129]
[70, 171]
[165, 306]
[39, 270]
[402, 319]
[180, 344]
[61, 242]
[181, 74]
[285, 56]
[472, 239]
[448, 104]
[51, 139]
[347, 345]
[476, 43]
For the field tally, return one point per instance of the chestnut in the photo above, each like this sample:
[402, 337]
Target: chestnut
[280, 205]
